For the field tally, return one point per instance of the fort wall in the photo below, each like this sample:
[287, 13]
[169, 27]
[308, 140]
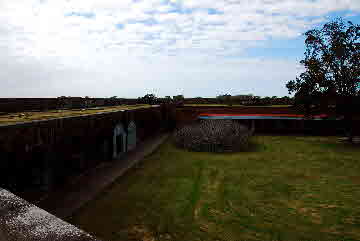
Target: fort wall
[42, 104]
[40, 155]
[189, 114]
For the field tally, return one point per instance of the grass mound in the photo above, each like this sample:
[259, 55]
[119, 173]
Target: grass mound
[213, 136]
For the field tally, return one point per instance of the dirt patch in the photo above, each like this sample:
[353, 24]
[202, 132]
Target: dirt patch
[331, 230]
[335, 230]
[304, 176]
[354, 233]
[218, 213]
[352, 220]
[311, 195]
[309, 212]
[208, 227]
[141, 233]
[355, 179]
[328, 206]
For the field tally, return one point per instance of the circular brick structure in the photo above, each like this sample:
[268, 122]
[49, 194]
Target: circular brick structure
[214, 136]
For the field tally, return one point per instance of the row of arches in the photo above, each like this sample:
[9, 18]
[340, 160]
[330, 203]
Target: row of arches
[123, 140]
[44, 166]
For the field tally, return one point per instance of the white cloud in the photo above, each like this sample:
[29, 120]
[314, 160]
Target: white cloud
[78, 40]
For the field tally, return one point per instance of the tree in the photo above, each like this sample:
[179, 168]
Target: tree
[87, 102]
[62, 101]
[168, 99]
[266, 100]
[149, 99]
[286, 100]
[256, 100]
[332, 67]
[227, 99]
[178, 98]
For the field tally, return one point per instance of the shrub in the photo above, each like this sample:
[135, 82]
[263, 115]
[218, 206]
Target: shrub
[213, 136]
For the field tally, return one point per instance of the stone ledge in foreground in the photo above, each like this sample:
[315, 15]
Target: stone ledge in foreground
[22, 221]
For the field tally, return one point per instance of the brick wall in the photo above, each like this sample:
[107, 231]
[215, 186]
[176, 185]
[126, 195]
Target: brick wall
[44, 154]
[188, 114]
[8, 105]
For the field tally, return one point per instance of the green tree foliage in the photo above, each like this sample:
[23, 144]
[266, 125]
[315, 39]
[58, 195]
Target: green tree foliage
[149, 99]
[225, 99]
[178, 98]
[331, 61]
[167, 99]
[332, 67]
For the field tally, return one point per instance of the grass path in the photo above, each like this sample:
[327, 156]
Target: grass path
[285, 188]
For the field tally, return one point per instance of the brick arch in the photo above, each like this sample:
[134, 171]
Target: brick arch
[131, 135]
[119, 141]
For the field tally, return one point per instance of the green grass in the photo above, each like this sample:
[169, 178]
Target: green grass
[215, 105]
[222, 105]
[269, 106]
[11, 118]
[284, 188]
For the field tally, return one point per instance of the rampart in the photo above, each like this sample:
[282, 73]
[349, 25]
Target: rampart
[40, 155]
[189, 114]
[43, 104]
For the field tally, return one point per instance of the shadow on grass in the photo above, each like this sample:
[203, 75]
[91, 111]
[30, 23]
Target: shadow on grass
[255, 147]
[341, 146]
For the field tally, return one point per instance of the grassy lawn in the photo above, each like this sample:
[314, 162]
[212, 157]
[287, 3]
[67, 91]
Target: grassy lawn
[43, 115]
[215, 105]
[222, 105]
[285, 188]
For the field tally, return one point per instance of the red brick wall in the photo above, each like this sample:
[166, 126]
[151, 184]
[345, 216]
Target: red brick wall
[64, 147]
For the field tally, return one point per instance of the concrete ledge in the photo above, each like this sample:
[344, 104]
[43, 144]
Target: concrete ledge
[22, 221]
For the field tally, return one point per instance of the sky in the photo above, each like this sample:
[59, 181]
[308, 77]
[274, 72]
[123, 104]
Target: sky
[128, 48]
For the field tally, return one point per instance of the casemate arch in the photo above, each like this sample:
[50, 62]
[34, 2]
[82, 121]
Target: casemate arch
[131, 137]
[119, 141]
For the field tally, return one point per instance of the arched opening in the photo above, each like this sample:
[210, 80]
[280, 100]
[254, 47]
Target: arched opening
[131, 137]
[119, 144]
[106, 150]
[119, 139]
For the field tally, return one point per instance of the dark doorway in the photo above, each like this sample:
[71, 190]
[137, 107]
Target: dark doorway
[119, 144]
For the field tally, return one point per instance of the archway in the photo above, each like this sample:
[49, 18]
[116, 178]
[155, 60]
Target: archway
[131, 137]
[119, 141]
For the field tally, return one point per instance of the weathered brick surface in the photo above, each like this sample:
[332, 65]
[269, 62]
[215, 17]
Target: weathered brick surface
[43, 154]
[189, 114]
[43, 104]
[22, 221]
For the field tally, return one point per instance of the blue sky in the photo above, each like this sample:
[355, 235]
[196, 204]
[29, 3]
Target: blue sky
[128, 48]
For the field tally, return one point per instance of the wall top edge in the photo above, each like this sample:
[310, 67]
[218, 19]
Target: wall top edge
[25, 123]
